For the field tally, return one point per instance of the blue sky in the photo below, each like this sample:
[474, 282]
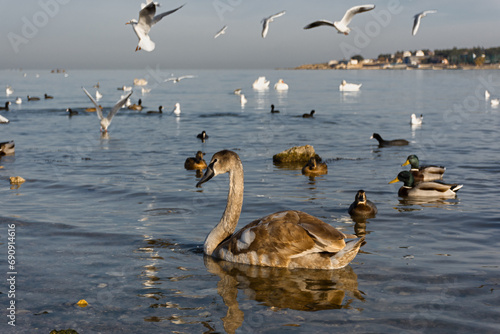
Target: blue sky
[79, 34]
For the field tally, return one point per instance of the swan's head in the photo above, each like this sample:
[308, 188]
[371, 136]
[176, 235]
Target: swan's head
[221, 163]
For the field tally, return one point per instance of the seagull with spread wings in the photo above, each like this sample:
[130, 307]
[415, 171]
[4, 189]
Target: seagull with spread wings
[265, 22]
[106, 121]
[342, 25]
[147, 19]
[417, 18]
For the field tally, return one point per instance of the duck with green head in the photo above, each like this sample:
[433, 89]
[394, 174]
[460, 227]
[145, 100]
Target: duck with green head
[427, 189]
[424, 173]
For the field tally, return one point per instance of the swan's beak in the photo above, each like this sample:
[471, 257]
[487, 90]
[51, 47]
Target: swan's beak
[394, 181]
[209, 173]
[407, 162]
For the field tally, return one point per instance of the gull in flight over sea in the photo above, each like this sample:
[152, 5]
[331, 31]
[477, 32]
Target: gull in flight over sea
[265, 22]
[157, 4]
[176, 80]
[147, 19]
[220, 32]
[106, 121]
[342, 25]
[417, 18]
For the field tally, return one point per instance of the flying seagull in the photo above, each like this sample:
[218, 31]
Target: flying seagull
[416, 22]
[175, 80]
[147, 19]
[148, 2]
[342, 25]
[265, 22]
[221, 32]
[106, 121]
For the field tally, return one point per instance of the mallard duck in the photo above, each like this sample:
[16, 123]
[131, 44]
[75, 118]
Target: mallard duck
[137, 106]
[310, 115]
[287, 239]
[394, 142]
[313, 168]
[362, 207]
[196, 162]
[203, 136]
[7, 148]
[274, 111]
[428, 189]
[424, 173]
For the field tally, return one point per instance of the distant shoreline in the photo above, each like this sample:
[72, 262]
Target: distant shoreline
[398, 66]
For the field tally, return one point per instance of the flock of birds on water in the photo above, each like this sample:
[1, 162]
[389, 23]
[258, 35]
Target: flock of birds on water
[291, 239]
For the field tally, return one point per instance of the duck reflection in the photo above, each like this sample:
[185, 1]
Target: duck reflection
[411, 204]
[297, 289]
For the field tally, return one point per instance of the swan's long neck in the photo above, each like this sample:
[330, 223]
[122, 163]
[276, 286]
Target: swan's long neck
[231, 215]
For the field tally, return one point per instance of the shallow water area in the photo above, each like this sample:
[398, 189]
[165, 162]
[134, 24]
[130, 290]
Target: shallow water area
[117, 220]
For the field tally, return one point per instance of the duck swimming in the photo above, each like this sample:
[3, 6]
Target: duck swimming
[196, 162]
[427, 189]
[395, 142]
[7, 148]
[71, 112]
[424, 173]
[313, 168]
[203, 136]
[310, 115]
[288, 239]
[7, 104]
[33, 98]
[159, 111]
[362, 207]
[48, 96]
[274, 111]
[137, 106]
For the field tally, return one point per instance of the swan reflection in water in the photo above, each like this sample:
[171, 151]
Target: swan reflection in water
[297, 289]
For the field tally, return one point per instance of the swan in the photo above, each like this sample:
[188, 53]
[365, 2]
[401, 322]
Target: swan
[417, 18]
[313, 168]
[265, 22]
[106, 121]
[260, 83]
[428, 189]
[341, 25]
[288, 239]
[147, 19]
[423, 173]
[349, 87]
[196, 162]
[280, 85]
[362, 207]
[414, 120]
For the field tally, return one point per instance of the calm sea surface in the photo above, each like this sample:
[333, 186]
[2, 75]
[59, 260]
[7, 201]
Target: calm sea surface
[118, 221]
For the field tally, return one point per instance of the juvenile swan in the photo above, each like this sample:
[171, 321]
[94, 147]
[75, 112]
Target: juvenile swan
[290, 239]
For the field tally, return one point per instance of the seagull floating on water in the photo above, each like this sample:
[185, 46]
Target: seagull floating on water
[3, 120]
[177, 109]
[19, 100]
[486, 95]
[9, 90]
[265, 22]
[147, 19]
[342, 25]
[416, 120]
[106, 121]
[417, 18]
[221, 32]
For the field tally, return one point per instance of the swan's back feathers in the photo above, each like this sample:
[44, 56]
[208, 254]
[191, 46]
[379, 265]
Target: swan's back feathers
[280, 238]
